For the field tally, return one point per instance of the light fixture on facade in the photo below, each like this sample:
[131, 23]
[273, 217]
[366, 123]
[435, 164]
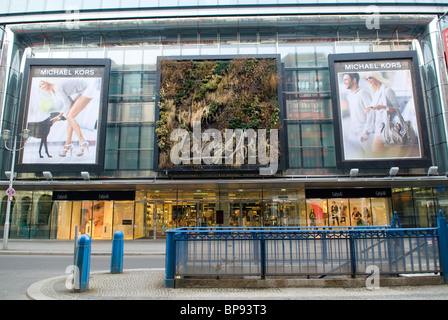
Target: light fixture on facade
[47, 175]
[8, 174]
[433, 170]
[354, 172]
[393, 171]
[85, 175]
[6, 134]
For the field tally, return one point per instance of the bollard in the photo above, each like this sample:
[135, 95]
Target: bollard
[443, 245]
[170, 260]
[116, 261]
[83, 263]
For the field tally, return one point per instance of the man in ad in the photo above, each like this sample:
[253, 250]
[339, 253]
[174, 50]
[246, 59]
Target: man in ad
[377, 110]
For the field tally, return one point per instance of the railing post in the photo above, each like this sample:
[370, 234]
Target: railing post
[83, 263]
[263, 256]
[395, 223]
[351, 240]
[443, 245]
[170, 266]
[116, 260]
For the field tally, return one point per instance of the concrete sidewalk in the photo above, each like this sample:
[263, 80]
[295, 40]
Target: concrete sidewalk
[147, 284]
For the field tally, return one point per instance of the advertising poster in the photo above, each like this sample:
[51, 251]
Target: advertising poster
[64, 111]
[377, 109]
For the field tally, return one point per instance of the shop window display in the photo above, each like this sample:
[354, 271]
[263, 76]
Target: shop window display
[347, 212]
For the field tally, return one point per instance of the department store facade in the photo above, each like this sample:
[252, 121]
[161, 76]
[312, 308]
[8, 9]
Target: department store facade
[127, 190]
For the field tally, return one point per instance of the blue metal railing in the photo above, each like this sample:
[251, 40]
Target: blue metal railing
[304, 251]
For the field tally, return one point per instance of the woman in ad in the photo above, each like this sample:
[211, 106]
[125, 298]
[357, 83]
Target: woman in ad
[388, 125]
[63, 91]
[63, 117]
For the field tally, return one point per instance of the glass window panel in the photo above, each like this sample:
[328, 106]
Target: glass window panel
[329, 157]
[5, 6]
[150, 57]
[290, 82]
[293, 135]
[132, 86]
[190, 50]
[208, 35]
[207, 2]
[34, 6]
[267, 49]
[311, 158]
[171, 50]
[228, 34]
[116, 57]
[310, 135]
[306, 56]
[248, 35]
[111, 160]
[149, 83]
[146, 160]
[131, 4]
[322, 52]
[306, 81]
[95, 53]
[288, 54]
[150, 3]
[129, 138]
[148, 112]
[343, 47]
[111, 4]
[171, 3]
[133, 59]
[116, 83]
[292, 107]
[228, 49]
[91, 4]
[130, 112]
[59, 54]
[228, 2]
[209, 50]
[147, 137]
[112, 136]
[78, 53]
[128, 160]
[247, 49]
[327, 135]
[294, 158]
[18, 6]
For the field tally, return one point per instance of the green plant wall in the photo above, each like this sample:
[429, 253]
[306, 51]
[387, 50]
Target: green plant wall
[240, 93]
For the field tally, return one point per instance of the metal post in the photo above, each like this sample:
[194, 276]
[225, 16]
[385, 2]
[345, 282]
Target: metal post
[8, 205]
[352, 254]
[443, 245]
[76, 244]
[83, 263]
[116, 261]
[263, 257]
[170, 266]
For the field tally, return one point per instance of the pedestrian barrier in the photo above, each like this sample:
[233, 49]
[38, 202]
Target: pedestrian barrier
[116, 260]
[305, 251]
